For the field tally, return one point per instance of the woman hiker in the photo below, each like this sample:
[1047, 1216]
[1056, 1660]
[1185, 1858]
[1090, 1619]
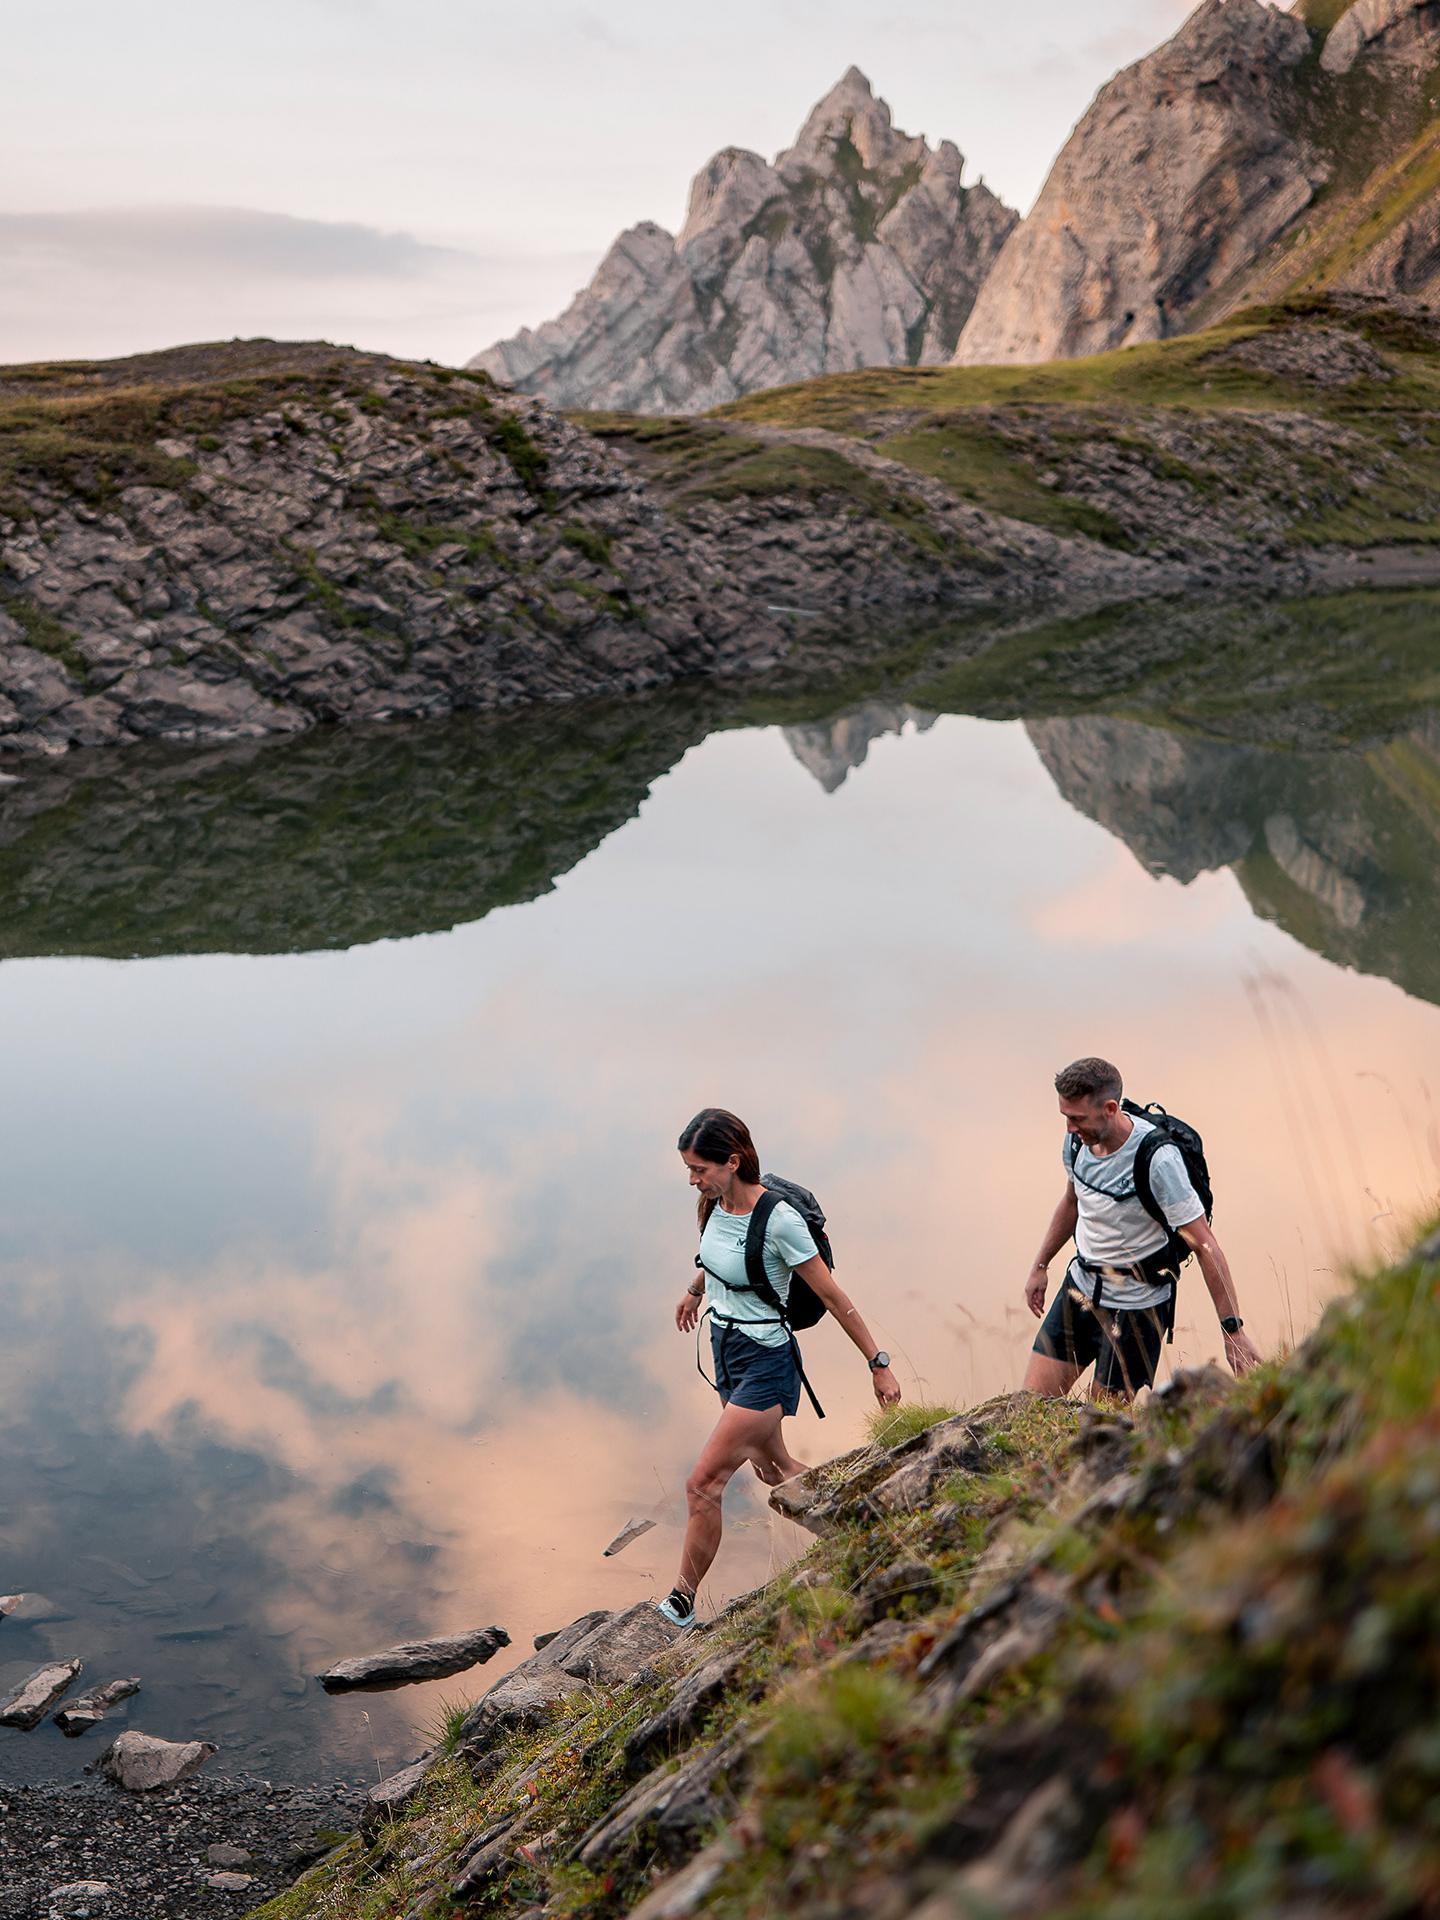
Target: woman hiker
[757, 1373]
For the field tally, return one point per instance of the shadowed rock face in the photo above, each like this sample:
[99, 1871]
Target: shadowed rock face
[1339, 849]
[1169, 204]
[861, 246]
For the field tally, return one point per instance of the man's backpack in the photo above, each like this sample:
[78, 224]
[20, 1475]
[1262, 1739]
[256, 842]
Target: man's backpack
[1168, 1130]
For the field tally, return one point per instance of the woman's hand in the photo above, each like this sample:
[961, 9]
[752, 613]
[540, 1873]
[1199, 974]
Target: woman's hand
[887, 1387]
[687, 1313]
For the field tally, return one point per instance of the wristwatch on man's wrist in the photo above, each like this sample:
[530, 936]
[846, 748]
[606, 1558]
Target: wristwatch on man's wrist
[880, 1362]
[1232, 1323]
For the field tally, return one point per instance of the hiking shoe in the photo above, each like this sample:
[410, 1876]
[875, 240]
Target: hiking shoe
[677, 1607]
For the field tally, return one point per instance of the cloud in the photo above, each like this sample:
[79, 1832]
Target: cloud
[132, 239]
[112, 280]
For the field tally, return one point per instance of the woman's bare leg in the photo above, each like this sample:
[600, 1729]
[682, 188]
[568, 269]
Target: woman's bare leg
[776, 1462]
[740, 1434]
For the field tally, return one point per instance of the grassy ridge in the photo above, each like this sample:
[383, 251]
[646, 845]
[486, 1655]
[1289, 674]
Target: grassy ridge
[1195, 1655]
[1308, 423]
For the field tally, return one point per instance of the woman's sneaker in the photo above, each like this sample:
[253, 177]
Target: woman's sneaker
[678, 1607]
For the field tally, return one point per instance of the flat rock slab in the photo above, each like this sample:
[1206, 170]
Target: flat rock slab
[46, 1685]
[87, 1711]
[140, 1762]
[416, 1660]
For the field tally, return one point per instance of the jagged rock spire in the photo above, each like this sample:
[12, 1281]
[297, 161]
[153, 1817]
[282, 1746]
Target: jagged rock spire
[859, 246]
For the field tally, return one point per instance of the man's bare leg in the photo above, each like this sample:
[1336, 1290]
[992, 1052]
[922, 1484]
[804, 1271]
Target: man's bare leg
[1053, 1378]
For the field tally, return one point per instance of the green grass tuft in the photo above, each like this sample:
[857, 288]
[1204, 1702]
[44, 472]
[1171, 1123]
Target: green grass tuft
[890, 1425]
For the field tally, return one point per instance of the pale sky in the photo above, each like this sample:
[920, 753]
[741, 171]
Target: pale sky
[426, 177]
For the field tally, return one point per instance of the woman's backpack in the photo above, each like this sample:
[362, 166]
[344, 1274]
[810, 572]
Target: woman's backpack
[804, 1307]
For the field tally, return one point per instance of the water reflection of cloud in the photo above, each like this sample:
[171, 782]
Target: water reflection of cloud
[1122, 905]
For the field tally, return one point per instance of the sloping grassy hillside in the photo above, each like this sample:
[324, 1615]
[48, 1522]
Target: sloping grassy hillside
[1313, 423]
[1042, 1658]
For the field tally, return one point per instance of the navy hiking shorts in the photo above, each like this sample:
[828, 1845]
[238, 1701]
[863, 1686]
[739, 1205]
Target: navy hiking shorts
[748, 1374]
[1125, 1346]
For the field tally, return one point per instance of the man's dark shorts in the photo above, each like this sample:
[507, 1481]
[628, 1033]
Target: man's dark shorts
[748, 1374]
[1125, 1347]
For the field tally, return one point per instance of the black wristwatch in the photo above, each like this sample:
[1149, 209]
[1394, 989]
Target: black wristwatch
[1232, 1323]
[881, 1360]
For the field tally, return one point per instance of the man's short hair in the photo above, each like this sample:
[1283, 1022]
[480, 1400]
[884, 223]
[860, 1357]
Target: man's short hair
[1089, 1079]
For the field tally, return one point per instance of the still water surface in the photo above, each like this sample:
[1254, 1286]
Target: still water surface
[336, 1284]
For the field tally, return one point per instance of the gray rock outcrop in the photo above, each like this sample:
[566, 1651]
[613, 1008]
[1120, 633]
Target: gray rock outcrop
[1401, 27]
[141, 1763]
[1193, 184]
[416, 1660]
[860, 246]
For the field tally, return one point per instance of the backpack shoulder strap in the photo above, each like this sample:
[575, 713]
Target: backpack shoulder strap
[755, 1233]
[1150, 1144]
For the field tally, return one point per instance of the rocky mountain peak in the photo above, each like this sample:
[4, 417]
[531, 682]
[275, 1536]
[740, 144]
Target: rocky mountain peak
[859, 246]
[1225, 137]
[850, 124]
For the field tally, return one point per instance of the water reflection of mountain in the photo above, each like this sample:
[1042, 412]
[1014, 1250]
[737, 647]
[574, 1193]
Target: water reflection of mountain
[338, 838]
[1342, 850]
[833, 749]
[348, 836]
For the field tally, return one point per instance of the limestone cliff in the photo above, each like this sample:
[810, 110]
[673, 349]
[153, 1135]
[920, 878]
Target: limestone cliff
[860, 246]
[1257, 153]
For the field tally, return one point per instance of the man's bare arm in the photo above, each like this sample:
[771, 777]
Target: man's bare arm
[1240, 1349]
[1060, 1230]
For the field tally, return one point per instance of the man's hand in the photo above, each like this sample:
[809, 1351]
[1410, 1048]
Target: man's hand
[687, 1313]
[1035, 1288]
[887, 1387]
[1241, 1352]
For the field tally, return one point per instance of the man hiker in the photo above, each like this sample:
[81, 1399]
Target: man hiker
[1116, 1303]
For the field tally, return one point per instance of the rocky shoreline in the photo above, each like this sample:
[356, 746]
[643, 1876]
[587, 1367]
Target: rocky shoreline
[204, 1848]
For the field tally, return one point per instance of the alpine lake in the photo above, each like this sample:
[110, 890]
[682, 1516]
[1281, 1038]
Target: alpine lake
[343, 1225]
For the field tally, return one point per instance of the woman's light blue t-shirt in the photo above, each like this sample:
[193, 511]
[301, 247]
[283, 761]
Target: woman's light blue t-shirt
[788, 1244]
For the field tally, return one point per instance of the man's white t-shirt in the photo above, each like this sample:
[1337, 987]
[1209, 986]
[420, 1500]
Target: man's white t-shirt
[1113, 1229]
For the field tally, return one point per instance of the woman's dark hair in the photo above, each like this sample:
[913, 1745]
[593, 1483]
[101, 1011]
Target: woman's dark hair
[714, 1135]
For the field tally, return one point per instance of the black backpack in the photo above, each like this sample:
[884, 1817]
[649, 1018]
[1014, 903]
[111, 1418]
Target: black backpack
[1168, 1130]
[804, 1308]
